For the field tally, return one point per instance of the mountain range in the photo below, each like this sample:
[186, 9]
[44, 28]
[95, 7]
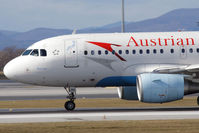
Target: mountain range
[179, 19]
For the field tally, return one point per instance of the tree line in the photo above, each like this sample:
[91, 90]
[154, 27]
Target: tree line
[8, 54]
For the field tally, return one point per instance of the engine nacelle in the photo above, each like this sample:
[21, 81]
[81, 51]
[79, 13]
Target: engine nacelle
[160, 88]
[128, 93]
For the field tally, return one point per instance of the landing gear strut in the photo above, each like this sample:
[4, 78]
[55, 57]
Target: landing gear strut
[70, 105]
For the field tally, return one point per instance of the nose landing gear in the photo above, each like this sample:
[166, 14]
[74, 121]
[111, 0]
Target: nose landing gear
[70, 105]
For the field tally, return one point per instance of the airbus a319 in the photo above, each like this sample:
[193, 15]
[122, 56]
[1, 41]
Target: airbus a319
[149, 67]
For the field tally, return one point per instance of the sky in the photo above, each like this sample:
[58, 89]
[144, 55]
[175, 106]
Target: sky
[24, 15]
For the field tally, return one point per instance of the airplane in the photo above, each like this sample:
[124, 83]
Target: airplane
[153, 67]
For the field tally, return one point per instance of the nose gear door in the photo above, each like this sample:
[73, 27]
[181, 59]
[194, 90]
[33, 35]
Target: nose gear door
[71, 54]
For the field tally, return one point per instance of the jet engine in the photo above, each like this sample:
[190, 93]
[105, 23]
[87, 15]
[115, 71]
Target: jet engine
[161, 88]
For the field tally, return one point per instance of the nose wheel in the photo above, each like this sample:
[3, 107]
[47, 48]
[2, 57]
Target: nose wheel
[70, 105]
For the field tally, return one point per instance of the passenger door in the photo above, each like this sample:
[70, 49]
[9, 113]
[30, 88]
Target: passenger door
[71, 54]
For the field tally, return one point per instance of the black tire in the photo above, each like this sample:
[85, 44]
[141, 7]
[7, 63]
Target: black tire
[198, 100]
[69, 105]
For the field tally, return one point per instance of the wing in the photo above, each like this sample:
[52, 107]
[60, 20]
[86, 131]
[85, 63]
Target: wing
[191, 72]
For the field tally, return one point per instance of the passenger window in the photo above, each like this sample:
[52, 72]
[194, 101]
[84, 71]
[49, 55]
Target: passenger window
[161, 51]
[120, 51]
[85, 52]
[113, 52]
[172, 51]
[92, 52]
[154, 51]
[191, 50]
[183, 50]
[141, 52]
[35, 52]
[148, 51]
[134, 51]
[127, 51]
[106, 52]
[27, 52]
[43, 52]
[99, 52]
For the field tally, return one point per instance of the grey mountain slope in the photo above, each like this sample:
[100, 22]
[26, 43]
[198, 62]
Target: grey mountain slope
[25, 39]
[180, 19]
[41, 33]
[8, 33]
[102, 29]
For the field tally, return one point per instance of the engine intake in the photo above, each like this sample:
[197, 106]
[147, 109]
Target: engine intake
[160, 88]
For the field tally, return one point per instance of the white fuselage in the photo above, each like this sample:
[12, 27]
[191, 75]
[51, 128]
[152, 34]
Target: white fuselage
[89, 60]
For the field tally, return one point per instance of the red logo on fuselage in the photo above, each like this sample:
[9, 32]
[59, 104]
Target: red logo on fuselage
[108, 47]
[160, 42]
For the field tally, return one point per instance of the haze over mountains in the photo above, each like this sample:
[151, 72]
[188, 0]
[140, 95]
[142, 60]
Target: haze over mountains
[180, 19]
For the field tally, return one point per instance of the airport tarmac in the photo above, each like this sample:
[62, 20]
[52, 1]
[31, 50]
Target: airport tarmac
[16, 91]
[93, 114]
[10, 90]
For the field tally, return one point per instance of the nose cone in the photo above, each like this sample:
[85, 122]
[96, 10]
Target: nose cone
[9, 70]
[12, 69]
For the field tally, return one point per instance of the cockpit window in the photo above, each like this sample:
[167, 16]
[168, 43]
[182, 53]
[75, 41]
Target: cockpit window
[35, 52]
[43, 52]
[27, 52]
